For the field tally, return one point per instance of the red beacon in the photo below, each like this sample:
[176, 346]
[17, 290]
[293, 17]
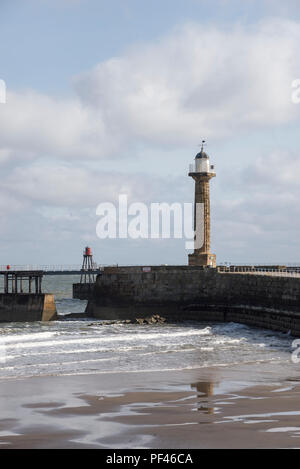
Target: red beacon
[88, 267]
[8, 267]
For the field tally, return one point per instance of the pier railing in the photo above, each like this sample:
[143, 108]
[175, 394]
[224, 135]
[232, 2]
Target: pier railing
[69, 269]
[50, 268]
[278, 272]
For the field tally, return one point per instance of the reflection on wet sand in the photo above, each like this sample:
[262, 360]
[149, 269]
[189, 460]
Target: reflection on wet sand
[205, 390]
[210, 409]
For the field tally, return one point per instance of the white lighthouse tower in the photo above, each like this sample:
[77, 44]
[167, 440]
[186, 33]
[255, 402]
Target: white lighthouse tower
[202, 172]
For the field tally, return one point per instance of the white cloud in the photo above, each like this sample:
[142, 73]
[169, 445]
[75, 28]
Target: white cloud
[263, 222]
[196, 81]
[199, 81]
[59, 185]
[39, 125]
[279, 169]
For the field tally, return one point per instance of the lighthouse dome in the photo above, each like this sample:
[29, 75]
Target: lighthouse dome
[202, 154]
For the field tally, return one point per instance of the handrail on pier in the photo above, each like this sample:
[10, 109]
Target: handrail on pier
[278, 272]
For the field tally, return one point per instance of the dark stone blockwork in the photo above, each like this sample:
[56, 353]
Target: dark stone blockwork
[197, 293]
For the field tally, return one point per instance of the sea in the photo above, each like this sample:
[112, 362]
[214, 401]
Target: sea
[87, 346]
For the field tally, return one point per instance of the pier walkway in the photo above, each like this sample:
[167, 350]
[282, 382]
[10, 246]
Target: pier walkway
[76, 269]
[53, 269]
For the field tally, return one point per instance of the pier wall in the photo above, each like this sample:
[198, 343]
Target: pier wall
[83, 291]
[23, 307]
[196, 293]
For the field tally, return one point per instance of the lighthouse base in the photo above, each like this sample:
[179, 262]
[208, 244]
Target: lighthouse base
[206, 260]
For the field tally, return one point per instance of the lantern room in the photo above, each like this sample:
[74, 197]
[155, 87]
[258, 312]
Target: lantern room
[202, 164]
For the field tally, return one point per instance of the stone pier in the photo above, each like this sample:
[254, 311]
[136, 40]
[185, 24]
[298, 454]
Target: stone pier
[27, 307]
[23, 300]
[197, 293]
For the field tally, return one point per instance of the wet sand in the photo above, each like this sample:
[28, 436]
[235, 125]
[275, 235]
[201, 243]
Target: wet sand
[233, 407]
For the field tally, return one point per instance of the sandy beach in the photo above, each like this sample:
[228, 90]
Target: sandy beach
[230, 407]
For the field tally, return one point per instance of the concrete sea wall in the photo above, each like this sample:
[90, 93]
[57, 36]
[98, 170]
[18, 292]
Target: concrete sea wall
[196, 293]
[83, 291]
[23, 307]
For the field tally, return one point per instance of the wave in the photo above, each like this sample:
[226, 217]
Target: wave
[102, 339]
[149, 370]
[5, 339]
[87, 350]
[62, 364]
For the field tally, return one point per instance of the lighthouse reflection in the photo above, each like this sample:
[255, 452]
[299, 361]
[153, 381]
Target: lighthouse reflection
[205, 390]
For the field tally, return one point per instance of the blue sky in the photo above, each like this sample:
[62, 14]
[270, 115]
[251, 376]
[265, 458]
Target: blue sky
[115, 96]
[43, 43]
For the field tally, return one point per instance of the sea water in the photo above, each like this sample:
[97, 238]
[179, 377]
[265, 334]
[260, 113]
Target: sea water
[86, 346]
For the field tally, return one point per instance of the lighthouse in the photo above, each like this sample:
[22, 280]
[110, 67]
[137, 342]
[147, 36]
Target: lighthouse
[202, 172]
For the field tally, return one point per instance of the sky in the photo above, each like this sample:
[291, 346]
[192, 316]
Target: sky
[108, 98]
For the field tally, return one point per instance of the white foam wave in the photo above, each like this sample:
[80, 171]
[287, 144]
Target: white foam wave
[62, 364]
[102, 339]
[5, 339]
[78, 351]
[61, 372]
[227, 341]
